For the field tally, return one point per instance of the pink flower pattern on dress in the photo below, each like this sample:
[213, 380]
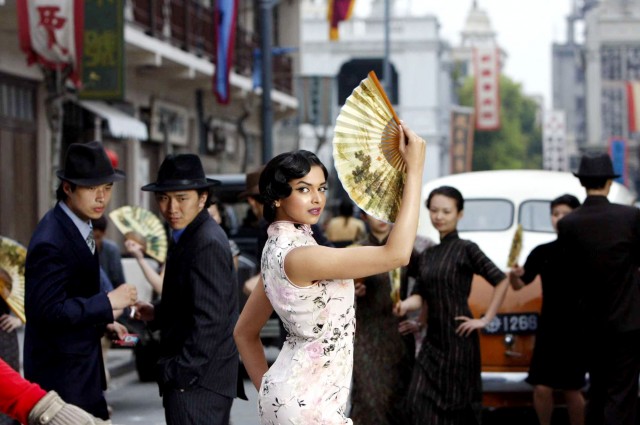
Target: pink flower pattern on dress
[310, 381]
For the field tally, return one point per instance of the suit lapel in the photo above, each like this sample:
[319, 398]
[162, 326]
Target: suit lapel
[71, 232]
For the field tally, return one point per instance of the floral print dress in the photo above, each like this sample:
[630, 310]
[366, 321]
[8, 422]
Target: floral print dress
[310, 381]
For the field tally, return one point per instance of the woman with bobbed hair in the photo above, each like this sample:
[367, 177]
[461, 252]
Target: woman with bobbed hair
[311, 288]
[446, 386]
[557, 360]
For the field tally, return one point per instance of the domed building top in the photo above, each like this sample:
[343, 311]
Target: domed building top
[477, 29]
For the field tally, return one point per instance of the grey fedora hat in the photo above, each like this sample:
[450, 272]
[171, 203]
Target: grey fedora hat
[87, 164]
[596, 166]
[180, 172]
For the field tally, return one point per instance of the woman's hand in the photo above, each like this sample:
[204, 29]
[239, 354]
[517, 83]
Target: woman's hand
[117, 330]
[9, 323]
[469, 325]
[412, 148]
[134, 248]
[517, 270]
[360, 288]
[514, 276]
[409, 327]
[400, 309]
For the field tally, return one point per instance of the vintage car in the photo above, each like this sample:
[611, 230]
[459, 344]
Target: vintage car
[496, 202]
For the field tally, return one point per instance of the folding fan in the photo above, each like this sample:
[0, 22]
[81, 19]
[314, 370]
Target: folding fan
[366, 153]
[12, 259]
[516, 247]
[139, 220]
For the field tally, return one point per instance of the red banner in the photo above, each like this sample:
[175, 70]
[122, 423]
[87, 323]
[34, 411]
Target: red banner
[633, 105]
[225, 19]
[51, 33]
[339, 10]
[487, 88]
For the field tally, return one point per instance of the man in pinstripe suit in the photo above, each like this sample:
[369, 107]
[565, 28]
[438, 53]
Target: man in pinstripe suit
[198, 364]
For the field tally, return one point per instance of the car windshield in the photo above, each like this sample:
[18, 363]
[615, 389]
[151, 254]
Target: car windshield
[486, 215]
[535, 217]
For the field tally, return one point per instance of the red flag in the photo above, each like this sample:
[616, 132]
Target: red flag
[487, 88]
[339, 10]
[51, 33]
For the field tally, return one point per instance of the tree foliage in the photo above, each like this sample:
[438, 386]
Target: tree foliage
[518, 143]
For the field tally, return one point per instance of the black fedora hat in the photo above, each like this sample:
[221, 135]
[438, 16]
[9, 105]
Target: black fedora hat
[180, 172]
[596, 166]
[87, 164]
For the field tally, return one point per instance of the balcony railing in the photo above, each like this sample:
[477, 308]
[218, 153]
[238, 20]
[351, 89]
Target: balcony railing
[189, 25]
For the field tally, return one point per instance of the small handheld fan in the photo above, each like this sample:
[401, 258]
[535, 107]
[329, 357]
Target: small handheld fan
[12, 259]
[366, 150]
[516, 247]
[139, 220]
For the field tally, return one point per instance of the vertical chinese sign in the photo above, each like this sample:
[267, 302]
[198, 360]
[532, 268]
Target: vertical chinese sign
[554, 141]
[487, 88]
[103, 58]
[461, 151]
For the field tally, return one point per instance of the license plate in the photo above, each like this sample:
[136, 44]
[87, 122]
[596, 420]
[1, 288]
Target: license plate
[516, 323]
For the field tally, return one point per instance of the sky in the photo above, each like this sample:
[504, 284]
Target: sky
[525, 30]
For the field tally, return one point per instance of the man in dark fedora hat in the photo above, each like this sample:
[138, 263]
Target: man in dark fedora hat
[198, 365]
[66, 311]
[601, 242]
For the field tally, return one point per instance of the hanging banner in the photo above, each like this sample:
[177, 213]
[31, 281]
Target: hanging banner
[103, 53]
[339, 10]
[619, 156]
[633, 105]
[50, 33]
[461, 151]
[554, 141]
[225, 17]
[487, 88]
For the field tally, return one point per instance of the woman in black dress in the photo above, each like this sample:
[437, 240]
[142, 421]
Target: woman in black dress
[446, 388]
[555, 364]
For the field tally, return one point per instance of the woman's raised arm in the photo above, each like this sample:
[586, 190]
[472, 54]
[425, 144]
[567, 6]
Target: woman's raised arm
[304, 265]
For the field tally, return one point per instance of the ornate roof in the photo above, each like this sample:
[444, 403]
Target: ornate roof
[478, 25]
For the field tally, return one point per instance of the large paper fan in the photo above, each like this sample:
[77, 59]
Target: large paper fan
[12, 259]
[136, 219]
[365, 150]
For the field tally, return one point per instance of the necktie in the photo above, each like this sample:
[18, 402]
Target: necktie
[91, 242]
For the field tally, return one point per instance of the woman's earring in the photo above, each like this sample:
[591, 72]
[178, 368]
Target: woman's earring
[276, 204]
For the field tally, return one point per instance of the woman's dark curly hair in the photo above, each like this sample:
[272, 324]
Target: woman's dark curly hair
[275, 178]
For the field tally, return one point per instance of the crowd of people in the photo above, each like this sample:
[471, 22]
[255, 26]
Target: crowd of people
[412, 358]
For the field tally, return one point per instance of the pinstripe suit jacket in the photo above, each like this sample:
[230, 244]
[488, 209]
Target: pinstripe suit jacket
[66, 314]
[198, 311]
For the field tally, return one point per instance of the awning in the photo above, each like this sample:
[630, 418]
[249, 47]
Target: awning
[121, 125]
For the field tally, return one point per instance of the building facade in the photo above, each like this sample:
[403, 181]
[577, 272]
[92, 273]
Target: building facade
[168, 106]
[591, 78]
[421, 91]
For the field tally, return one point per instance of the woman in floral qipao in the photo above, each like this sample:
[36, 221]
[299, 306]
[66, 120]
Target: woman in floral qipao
[311, 289]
